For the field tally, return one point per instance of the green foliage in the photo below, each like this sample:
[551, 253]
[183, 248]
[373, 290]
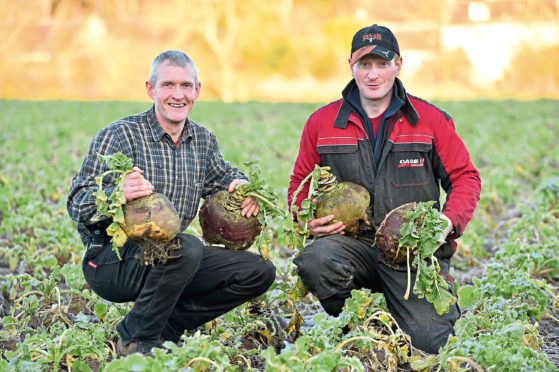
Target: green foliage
[198, 353]
[111, 206]
[73, 276]
[51, 316]
[499, 329]
[422, 234]
[258, 188]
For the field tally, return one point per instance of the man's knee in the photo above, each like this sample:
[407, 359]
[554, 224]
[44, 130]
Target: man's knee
[184, 261]
[324, 268]
[267, 271]
[252, 276]
[318, 257]
[191, 249]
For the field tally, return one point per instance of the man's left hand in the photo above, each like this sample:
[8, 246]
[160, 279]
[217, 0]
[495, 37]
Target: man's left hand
[444, 234]
[249, 206]
[449, 227]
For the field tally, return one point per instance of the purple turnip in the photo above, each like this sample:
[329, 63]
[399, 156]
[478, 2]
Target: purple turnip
[388, 234]
[221, 221]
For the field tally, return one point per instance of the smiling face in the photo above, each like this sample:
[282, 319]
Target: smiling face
[174, 92]
[375, 77]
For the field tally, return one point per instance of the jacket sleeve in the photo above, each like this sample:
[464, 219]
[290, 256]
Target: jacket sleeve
[459, 178]
[307, 158]
[81, 202]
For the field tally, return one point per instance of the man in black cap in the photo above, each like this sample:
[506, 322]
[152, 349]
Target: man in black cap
[402, 149]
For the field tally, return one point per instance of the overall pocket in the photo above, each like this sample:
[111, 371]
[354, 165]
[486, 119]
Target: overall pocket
[342, 158]
[411, 164]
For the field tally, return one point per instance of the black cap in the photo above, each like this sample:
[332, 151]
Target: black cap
[375, 39]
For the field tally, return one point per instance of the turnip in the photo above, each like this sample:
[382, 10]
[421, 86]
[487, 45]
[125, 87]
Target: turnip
[151, 221]
[388, 234]
[347, 201]
[412, 233]
[222, 223]
[151, 217]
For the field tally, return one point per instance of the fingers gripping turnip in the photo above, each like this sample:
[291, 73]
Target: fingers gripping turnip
[151, 221]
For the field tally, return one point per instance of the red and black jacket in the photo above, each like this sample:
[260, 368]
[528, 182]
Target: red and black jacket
[419, 152]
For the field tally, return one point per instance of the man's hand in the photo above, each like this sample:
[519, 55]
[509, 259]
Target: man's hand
[319, 226]
[136, 186]
[449, 228]
[249, 206]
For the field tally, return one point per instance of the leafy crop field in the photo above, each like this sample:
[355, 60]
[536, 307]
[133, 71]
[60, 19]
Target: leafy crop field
[507, 263]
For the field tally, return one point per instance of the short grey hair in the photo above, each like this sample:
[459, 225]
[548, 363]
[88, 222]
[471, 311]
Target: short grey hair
[176, 58]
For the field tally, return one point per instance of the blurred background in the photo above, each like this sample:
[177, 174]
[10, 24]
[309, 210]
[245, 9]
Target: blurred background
[276, 50]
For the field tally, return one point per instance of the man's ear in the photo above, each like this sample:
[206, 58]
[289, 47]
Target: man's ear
[150, 90]
[198, 88]
[398, 64]
[351, 67]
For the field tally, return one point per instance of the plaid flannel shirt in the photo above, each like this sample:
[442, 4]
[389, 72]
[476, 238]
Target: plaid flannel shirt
[185, 173]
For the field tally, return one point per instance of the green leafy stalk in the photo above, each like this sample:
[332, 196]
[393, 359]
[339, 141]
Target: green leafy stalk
[306, 213]
[111, 206]
[258, 188]
[423, 233]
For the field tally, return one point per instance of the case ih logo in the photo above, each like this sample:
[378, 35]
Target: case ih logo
[411, 163]
[371, 37]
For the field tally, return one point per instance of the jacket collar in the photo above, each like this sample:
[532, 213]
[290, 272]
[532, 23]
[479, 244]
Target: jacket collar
[351, 104]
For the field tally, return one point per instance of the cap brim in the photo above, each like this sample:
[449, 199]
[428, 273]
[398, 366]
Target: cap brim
[377, 50]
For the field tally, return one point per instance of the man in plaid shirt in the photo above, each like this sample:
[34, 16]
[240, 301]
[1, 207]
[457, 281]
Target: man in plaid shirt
[179, 158]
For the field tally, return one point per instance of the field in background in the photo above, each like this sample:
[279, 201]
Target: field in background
[515, 145]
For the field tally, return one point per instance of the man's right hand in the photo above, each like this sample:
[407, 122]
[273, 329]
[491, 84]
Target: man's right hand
[136, 186]
[319, 226]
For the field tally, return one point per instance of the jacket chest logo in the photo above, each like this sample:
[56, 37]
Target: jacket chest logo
[413, 163]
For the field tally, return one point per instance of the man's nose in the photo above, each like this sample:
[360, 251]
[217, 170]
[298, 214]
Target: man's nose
[373, 73]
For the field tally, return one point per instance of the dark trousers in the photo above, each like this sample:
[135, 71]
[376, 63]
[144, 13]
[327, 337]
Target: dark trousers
[199, 284]
[332, 266]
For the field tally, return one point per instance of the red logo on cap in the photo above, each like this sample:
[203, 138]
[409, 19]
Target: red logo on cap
[372, 37]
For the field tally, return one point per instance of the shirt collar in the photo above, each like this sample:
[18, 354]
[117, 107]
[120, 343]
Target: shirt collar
[157, 132]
